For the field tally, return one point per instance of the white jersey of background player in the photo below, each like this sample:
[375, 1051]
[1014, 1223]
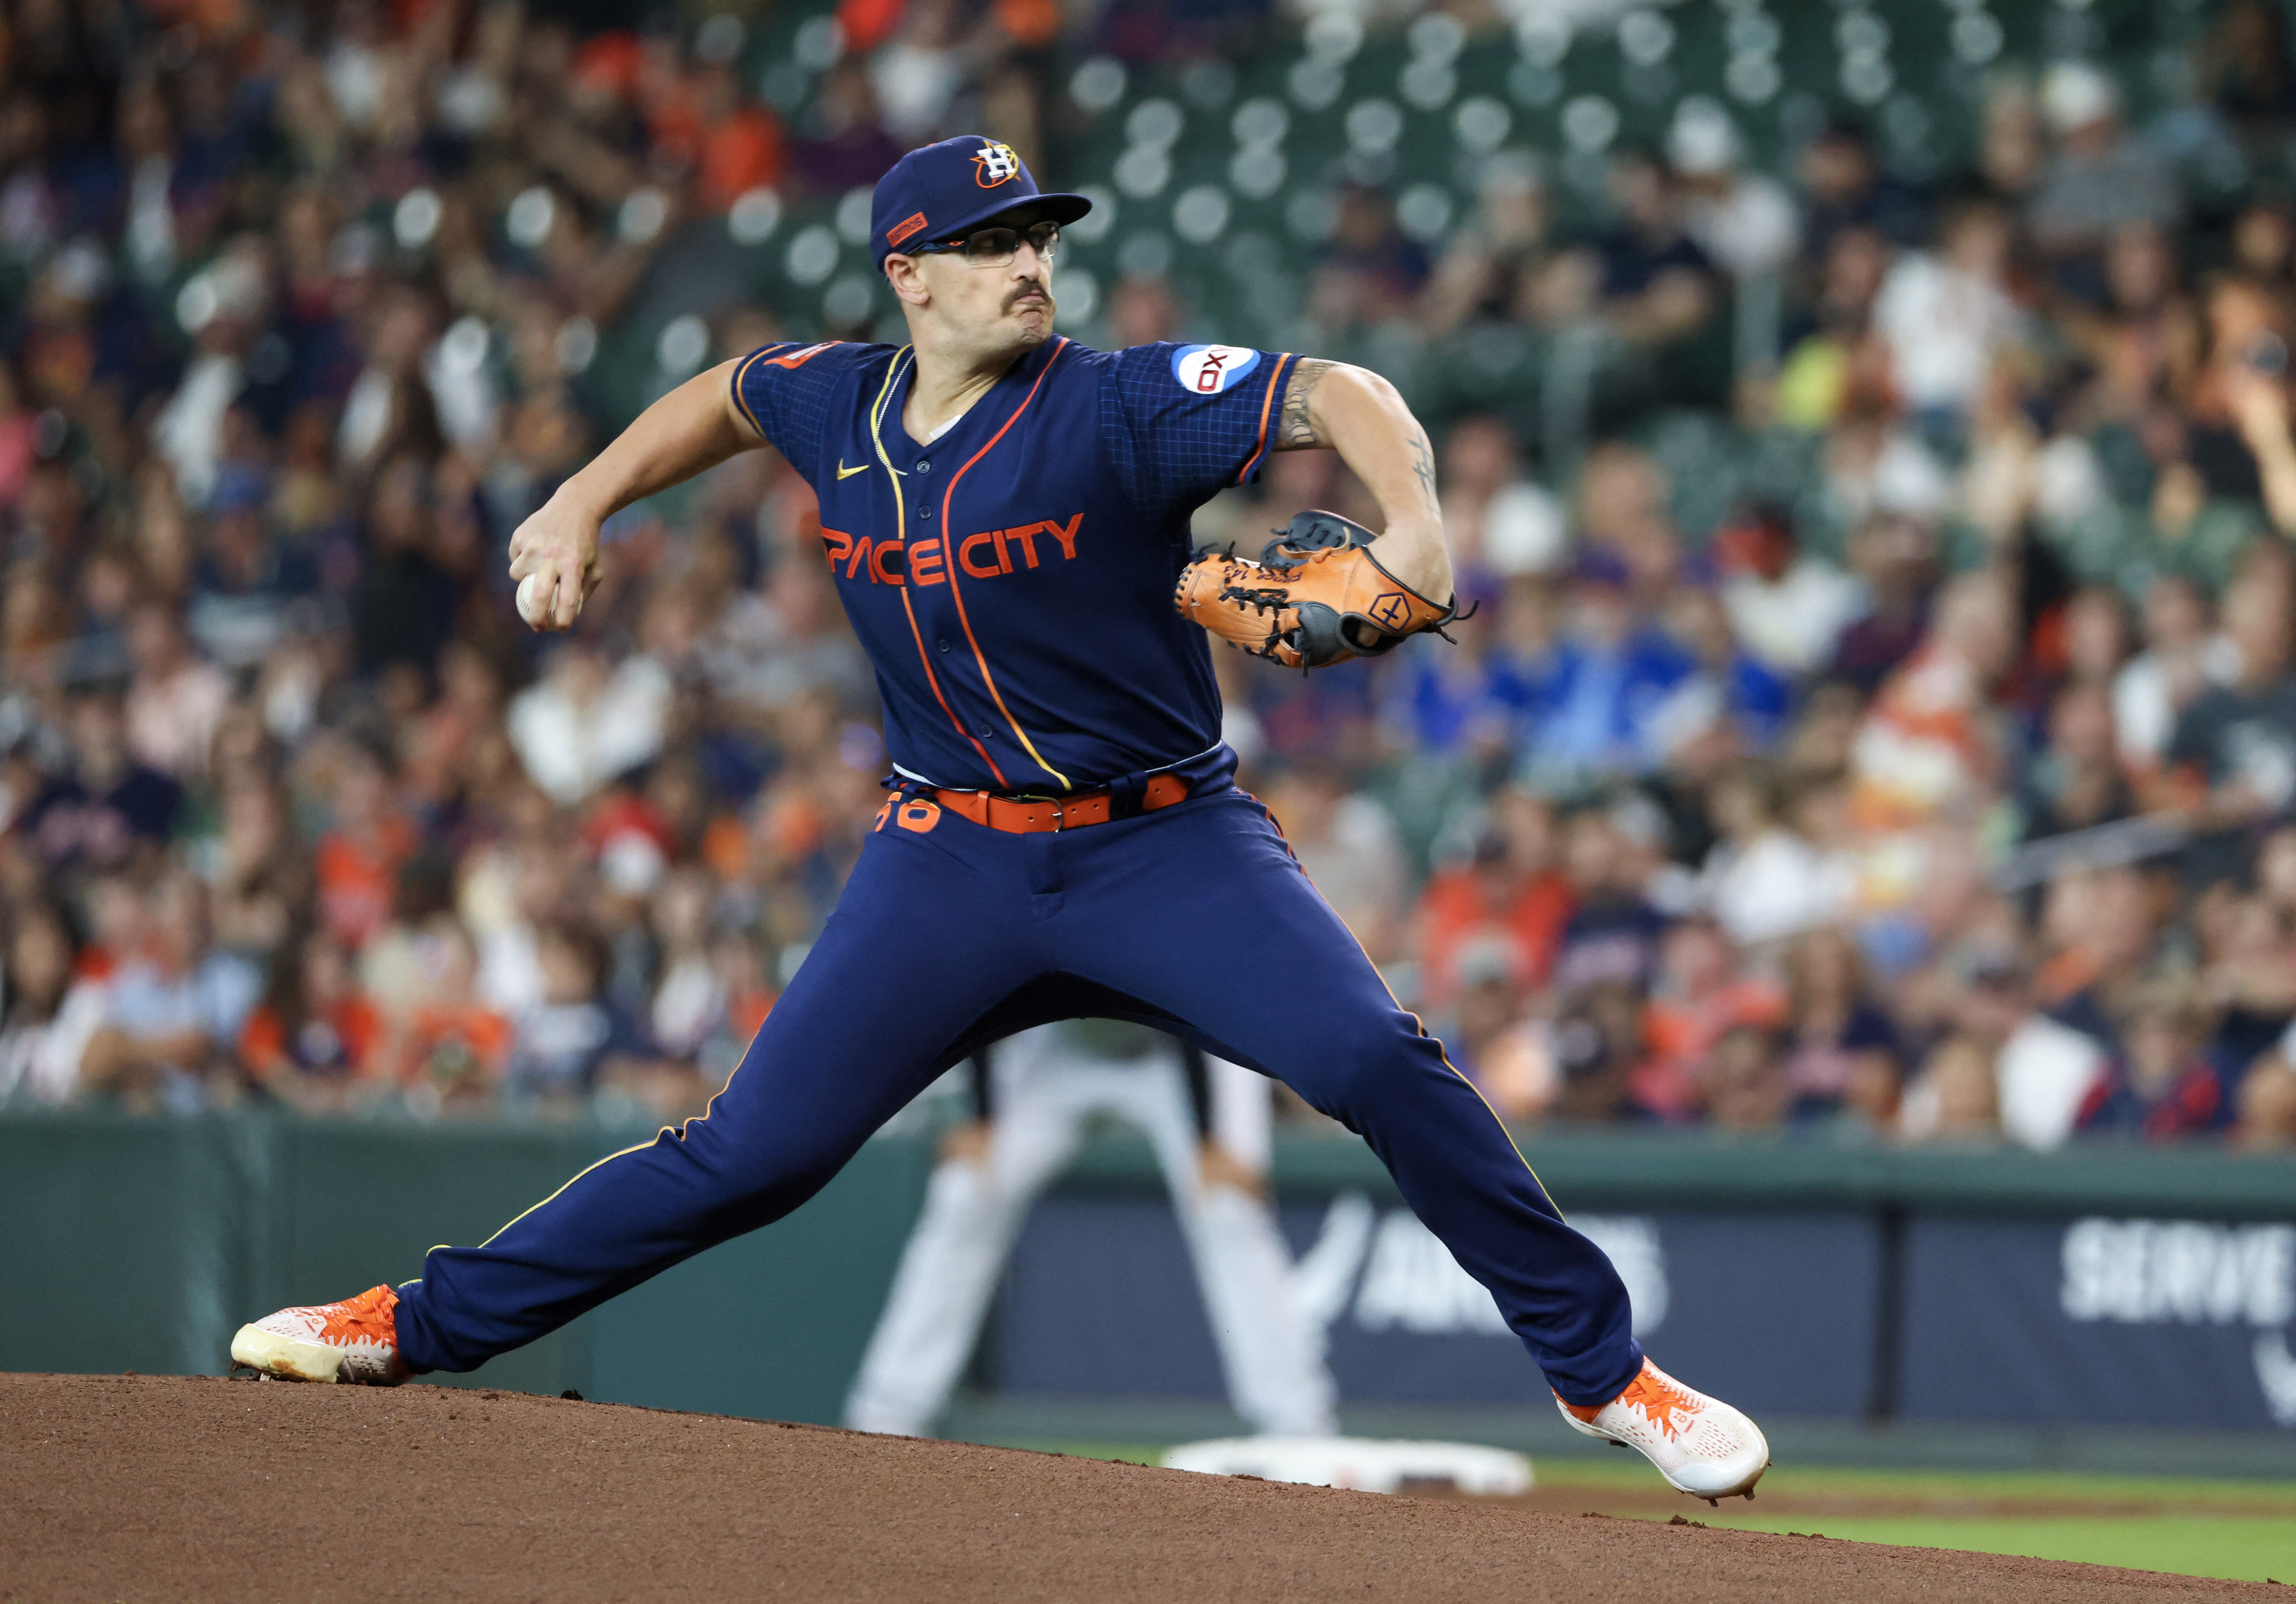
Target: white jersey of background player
[1044, 1089]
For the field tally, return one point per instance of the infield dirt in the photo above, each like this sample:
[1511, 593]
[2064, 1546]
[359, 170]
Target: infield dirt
[195, 1488]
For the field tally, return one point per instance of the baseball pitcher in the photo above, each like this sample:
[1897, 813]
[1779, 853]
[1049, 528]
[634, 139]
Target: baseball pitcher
[1007, 513]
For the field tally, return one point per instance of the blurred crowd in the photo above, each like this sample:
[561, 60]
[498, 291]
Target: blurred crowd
[1934, 780]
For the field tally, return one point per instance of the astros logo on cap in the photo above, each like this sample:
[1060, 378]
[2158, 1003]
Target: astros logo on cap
[994, 163]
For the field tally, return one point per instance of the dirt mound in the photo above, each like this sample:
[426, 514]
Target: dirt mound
[191, 1488]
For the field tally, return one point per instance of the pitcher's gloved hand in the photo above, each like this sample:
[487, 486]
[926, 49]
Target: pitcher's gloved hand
[1317, 597]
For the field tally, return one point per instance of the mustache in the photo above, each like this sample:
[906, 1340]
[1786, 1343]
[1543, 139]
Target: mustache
[1026, 293]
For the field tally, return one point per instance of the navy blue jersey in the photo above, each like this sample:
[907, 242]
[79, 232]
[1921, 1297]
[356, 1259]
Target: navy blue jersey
[1013, 582]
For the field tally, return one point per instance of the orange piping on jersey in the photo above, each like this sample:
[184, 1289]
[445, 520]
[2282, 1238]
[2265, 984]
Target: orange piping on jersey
[900, 515]
[933, 679]
[738, 401]
[1266, 406]
[798, 358]
[957, 591]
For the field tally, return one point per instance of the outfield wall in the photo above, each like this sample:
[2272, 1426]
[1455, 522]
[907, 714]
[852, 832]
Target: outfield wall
[2107, 1287]
[2099, 1286]
[143, 1244]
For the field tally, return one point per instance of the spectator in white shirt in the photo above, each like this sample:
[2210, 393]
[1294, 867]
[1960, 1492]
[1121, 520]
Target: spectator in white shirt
[1745, 221]
[1763, 880]
[2101, 180]
[1947, 317]
[585, 723]
[2042, 1070]
[2182, 658]
[50, 1011]
[175, 701]
[1500, 524]
[173, 1013]
[1787, 606]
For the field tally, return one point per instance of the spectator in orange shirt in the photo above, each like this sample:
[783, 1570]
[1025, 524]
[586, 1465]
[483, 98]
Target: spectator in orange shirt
[314, 1034]
[1488, 1038]
[749, 990]
[740, 141]
[448, 1054]
[359, 856]
[1700, 998]
[1930, 745]
[1513, 890]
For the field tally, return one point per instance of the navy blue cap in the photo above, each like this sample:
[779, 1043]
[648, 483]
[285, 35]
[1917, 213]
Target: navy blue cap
[938, 191]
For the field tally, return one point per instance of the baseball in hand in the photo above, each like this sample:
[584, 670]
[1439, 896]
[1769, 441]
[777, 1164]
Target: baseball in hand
[534, 600]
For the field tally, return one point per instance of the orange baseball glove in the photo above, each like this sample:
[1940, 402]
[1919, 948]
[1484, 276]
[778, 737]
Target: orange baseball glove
[1317, 597]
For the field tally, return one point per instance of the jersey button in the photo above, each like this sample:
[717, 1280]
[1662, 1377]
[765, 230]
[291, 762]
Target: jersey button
[924, 464]
[924, 513]
[942, 643]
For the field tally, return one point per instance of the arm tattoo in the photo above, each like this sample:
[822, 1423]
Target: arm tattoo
[1423, 469]
[1297, 431]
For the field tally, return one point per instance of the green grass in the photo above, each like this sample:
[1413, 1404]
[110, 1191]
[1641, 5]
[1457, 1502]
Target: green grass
[2191, 1525]
[2242, 1530]
[2245, 1548]
[1619, 1472]
[1130, 1453]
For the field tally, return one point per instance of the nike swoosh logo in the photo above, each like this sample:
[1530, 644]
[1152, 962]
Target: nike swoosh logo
[845, 472]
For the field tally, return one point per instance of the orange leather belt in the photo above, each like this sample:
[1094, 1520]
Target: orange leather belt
[1020, 818]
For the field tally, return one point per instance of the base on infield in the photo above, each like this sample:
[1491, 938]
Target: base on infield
[1362, 1464]
[159, 1487]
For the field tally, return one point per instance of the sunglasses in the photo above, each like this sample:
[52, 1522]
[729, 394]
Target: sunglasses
[996, 247]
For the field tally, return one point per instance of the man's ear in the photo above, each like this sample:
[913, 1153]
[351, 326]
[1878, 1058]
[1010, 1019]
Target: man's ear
[906, 274]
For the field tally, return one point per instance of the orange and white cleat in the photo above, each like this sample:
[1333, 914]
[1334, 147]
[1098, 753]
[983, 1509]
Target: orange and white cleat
[355, 1340]
[1700, 1445]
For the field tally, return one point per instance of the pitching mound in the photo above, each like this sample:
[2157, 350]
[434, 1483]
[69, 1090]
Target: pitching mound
[191, 1488]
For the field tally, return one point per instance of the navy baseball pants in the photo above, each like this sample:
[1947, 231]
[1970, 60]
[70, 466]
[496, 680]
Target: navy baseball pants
[1195, 919]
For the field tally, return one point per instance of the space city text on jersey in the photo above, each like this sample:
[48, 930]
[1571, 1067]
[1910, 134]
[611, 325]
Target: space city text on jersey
[986, 554]
[1012, 579]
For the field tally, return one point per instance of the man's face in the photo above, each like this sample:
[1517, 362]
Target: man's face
[1603, 612]
[1005, 308]
[180, 918]
[2256, 617]
[99, 732]
[1836, 166]
[1992, 1006]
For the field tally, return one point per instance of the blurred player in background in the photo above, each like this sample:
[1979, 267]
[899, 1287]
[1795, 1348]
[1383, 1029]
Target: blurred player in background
[1036, 1098]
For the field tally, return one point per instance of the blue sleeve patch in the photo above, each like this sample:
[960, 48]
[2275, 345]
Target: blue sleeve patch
[1207, 370]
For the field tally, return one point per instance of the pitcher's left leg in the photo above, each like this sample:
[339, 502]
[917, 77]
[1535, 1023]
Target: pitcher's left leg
[1201, 911]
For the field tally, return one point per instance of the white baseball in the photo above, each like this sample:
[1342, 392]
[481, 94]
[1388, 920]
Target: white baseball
[533, 601]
